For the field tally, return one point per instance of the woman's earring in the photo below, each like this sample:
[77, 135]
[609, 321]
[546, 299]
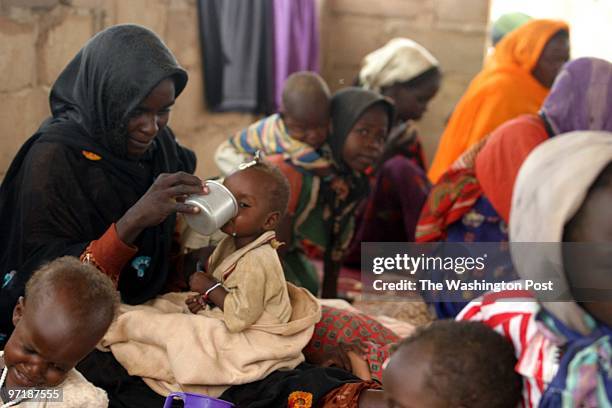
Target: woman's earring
[234, 234]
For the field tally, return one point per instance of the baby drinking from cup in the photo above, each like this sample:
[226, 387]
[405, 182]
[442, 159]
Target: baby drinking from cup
[244, 276]
[245, 320]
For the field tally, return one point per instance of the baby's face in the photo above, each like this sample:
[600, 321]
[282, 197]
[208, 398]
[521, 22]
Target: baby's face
[250, 189]
[311, 127]
[405, 380]
[43, 349]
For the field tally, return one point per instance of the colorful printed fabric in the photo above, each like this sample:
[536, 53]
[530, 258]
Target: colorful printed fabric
[299, 399]
[559, 366]
[342, 326]
[480, 224]
[584, 378]
[347, 396]
[324, 217]
[270, 136]
[312, 214]
[513, 315]
[452, 197]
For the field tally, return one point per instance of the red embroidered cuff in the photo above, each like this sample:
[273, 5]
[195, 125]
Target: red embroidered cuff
[109, 254]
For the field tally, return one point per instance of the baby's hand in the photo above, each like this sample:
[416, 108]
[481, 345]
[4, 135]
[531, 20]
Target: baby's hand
[194, 303]
[199, 282]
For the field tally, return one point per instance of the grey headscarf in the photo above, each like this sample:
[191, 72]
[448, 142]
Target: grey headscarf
[551, 186]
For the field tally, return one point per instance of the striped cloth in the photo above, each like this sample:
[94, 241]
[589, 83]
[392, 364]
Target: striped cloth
[271, 137]
[513, 314]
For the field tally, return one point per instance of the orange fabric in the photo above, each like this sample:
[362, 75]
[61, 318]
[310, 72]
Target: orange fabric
[347, 396]
[294, 177]
[109, 254]
[504, 89]
[499, 161]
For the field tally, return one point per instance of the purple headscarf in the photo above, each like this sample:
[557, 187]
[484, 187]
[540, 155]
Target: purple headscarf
[581, 97]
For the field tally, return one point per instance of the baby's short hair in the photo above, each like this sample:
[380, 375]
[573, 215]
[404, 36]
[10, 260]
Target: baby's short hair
[279, 190]
[304, 87]
[471, 365]
[92, 293]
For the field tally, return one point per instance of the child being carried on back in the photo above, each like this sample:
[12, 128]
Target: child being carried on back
[298, 131]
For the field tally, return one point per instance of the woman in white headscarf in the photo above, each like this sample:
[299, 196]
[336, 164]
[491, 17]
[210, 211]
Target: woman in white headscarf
[563, 341]
[409, 75]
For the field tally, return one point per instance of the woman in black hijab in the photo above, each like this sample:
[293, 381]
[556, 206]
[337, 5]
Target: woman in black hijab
[104, 176]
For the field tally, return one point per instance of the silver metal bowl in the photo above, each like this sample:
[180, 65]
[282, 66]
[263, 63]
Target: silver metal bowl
[216, 209]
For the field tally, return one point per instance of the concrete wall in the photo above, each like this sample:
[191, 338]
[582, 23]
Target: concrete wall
[39, 37]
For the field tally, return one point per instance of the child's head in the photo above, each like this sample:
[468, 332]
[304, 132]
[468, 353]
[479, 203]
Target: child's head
[262, 192]
[592, 224]
[305, 108]
[67, 308]
[361, 122]
[453, 364]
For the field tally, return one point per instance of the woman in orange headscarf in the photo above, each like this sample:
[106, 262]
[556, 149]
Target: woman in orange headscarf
[515, 80]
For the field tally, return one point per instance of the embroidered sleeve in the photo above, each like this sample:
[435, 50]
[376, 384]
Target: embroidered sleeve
[109, 254]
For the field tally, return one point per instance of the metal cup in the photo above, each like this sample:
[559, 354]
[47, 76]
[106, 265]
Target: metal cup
[216, 209]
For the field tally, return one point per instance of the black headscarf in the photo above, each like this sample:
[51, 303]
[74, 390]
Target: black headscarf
[347, 106]
[109, 77]
[57, 196]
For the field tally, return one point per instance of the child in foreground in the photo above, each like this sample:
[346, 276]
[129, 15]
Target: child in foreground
[452, 364]
[298, 131]
[245, 277]
[67, 308]
[244, 322]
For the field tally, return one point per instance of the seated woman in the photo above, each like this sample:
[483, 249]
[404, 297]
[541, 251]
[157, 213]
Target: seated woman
[104, 176]
[471, 202]
[409, 75]
[563, 341]
[514, 81]
[319, 214]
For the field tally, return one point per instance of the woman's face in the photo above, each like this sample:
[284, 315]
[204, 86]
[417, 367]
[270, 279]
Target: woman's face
[149, 117]
[589, 270]
[554, 55]
[411, 101]
[364, 143]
